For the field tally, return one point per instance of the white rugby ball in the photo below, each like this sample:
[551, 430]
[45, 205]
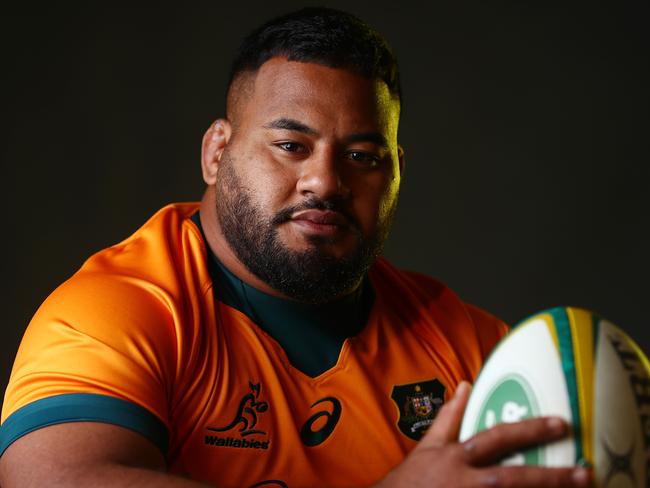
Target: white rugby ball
[571, 363]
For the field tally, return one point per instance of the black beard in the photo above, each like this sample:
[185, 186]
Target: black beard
[310, 276]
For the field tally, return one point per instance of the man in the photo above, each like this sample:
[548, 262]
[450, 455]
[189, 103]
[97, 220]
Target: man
[256, 339]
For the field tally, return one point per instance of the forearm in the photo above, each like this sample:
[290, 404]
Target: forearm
[98, 476]
[86, 454]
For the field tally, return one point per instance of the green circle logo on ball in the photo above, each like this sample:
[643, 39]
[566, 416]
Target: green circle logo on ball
[511, 400]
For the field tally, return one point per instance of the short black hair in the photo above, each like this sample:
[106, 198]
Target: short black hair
[324, 36]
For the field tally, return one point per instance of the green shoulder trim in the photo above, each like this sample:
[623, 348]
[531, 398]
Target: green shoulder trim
[83, 407]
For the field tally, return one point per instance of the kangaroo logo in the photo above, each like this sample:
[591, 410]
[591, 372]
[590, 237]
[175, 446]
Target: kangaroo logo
[246, 416]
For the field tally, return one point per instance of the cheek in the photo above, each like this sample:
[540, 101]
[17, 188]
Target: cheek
[271, 183]
[388, 202]
[375, 201]
[275, 189]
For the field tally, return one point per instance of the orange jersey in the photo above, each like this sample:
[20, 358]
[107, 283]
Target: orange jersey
[139, 338]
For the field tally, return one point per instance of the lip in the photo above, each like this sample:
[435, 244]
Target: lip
[323, 222]
[323, 217]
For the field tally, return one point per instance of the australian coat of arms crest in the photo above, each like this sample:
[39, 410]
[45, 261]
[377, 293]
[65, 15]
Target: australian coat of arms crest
[418, 404]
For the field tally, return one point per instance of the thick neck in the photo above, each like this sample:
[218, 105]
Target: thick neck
[311, 335]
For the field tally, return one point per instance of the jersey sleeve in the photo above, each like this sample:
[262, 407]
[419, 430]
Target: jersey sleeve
[490, 329]
[100, 349]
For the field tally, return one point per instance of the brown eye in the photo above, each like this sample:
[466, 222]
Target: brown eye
[289, 146]
[363, 157]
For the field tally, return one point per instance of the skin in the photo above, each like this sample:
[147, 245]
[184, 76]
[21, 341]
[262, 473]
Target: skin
[335, 154]
[440, 461]
[283, 168]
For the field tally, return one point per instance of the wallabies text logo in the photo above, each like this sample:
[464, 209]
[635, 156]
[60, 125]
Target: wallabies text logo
[418, 404]
[244, 424]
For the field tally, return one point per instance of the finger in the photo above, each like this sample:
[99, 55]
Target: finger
[489, 446]
[532, 477]
[446, 425]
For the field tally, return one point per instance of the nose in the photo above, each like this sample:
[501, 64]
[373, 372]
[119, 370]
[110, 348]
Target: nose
[321, 176]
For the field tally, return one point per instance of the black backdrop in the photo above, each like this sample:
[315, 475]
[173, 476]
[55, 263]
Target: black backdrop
[525, 125]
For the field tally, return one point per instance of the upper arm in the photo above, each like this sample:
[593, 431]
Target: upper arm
[65, 454]
[100, 349]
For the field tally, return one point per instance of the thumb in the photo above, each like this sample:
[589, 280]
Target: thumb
[446, 425]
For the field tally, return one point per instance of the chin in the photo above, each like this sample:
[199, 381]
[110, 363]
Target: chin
[336, 249]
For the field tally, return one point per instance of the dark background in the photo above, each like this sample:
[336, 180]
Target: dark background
[525, 124]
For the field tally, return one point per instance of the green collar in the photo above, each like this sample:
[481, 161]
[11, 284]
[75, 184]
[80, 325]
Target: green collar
[311, 335]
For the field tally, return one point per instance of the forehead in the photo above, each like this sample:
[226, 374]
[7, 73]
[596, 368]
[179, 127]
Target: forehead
[317, 94]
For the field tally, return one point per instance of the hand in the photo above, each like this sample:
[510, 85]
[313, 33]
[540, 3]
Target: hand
[439, 460]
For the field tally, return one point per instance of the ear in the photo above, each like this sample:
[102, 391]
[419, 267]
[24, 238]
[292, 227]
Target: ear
[402, 161]
[214, 142]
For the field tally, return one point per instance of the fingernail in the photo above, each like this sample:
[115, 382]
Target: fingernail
[469, 446]
[556, 424]
[580, 476]
[461, 389]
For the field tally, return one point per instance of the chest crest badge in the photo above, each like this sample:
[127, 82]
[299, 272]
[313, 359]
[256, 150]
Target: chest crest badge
[417, 404]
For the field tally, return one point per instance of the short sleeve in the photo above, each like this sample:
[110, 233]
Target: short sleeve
[100, 348]
[490, 329]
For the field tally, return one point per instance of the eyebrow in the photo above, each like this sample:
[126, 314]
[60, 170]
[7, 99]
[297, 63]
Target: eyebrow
[373, 137]
[284, 123]
[291, 124]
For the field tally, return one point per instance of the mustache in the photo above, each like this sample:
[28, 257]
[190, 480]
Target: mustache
[315, 203]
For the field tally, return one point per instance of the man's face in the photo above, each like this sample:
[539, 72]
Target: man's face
[308, 182]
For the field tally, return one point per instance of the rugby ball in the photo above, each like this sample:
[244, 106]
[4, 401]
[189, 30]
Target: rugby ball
[571, 363]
